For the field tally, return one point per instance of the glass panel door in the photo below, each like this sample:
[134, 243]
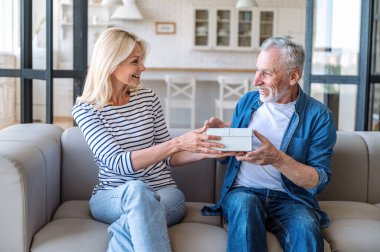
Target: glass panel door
[266, 25]
[201, 27]
[223, 31]
[336, 37]
[245, 29]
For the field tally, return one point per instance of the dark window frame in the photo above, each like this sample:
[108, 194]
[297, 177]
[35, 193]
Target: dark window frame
[362, 80]
[27, 74]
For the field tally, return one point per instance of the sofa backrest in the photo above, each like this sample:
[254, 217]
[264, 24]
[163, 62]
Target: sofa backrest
[80, 173]
[355, 170]
[372, 139]
[349, 171]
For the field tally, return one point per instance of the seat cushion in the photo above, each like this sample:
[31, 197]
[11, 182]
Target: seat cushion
[81, 209]
[338, 210]
[72, 234]
[193, 214]
[353, 235]
[274, 245]
[73, 209]
[190, 237]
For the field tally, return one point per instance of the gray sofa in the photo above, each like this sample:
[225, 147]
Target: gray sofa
[47, 175]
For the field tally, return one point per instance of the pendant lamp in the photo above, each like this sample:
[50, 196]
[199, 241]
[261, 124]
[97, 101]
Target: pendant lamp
[111, 2]
[128, 11]
[241, 4]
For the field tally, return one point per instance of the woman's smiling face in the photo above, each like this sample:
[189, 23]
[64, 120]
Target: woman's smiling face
[128, 72]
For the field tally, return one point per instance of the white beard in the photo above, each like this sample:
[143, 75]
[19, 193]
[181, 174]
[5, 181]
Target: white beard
[274, 95]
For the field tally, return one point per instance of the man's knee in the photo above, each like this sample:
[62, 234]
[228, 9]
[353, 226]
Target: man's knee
[242, 204]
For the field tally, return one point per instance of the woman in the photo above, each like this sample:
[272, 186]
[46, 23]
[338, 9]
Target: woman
[123, 123]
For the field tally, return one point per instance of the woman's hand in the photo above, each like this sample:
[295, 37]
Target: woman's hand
[197, 141]
[224, 154]
[214, 122]
[196, 145]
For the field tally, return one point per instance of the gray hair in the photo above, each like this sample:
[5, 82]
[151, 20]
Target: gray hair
[293, 55]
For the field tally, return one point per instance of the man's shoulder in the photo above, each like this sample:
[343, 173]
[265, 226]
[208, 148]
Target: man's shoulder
[313, 104]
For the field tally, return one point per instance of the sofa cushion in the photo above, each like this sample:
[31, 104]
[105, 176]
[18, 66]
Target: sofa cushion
[73, 209]
[81, 209]
[197, 180]
[193, 214]
[274, 245]
[338, 210]
[72, 234]
[77, 234]
[373, 143]
[190, 237]
[353, 235]
[79, 172]
[349, 170]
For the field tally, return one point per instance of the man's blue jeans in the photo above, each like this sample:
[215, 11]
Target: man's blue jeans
[138, 215]
[249, 212]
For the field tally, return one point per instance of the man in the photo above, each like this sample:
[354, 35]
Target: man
[274, 187]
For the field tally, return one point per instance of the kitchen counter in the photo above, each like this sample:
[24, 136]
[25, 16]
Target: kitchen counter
[202, 74]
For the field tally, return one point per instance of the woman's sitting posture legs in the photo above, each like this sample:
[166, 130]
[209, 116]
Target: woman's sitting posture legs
[137, 218]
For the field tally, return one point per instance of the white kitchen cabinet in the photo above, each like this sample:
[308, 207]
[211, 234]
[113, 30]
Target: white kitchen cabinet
[98, 21]
[232, 29]
[98, 17]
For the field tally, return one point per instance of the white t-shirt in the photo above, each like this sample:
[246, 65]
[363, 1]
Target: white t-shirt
[271, 120]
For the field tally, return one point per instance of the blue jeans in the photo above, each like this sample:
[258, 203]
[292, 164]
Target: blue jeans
[249, 212]
[138, 215]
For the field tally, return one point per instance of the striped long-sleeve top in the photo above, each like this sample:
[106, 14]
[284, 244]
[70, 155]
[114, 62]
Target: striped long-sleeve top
[114, 132]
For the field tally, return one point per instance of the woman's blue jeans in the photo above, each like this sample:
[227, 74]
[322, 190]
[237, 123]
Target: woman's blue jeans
[249, 212]
[138, 215]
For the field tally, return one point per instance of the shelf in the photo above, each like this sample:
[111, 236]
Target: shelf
[89, 25]
[245, 22]
[89, 5]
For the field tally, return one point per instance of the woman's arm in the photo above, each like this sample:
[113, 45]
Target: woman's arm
[185, 157]
[184, 149]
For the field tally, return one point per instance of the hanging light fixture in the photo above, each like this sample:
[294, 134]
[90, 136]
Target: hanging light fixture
[128, 11]
[241, 4]
[111, 2]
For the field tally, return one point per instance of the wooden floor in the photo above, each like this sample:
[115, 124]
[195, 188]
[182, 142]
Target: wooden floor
[63, 122]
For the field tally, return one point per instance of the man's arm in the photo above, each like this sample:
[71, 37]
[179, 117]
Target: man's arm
[267, 154]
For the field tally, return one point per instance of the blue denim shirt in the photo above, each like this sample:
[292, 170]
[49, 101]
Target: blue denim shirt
[309, 139]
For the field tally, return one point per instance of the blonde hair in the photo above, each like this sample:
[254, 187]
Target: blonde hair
[112, 47]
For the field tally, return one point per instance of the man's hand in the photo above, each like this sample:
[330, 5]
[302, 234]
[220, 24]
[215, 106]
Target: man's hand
[266, 154]
[214, 122]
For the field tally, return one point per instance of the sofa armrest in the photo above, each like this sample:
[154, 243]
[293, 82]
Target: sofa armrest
[30, 157]
[22, 195]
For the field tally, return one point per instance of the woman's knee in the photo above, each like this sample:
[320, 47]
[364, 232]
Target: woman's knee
[137, 192]
[173, 201]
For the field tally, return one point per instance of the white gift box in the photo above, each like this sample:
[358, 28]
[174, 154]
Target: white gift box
[233, 139]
